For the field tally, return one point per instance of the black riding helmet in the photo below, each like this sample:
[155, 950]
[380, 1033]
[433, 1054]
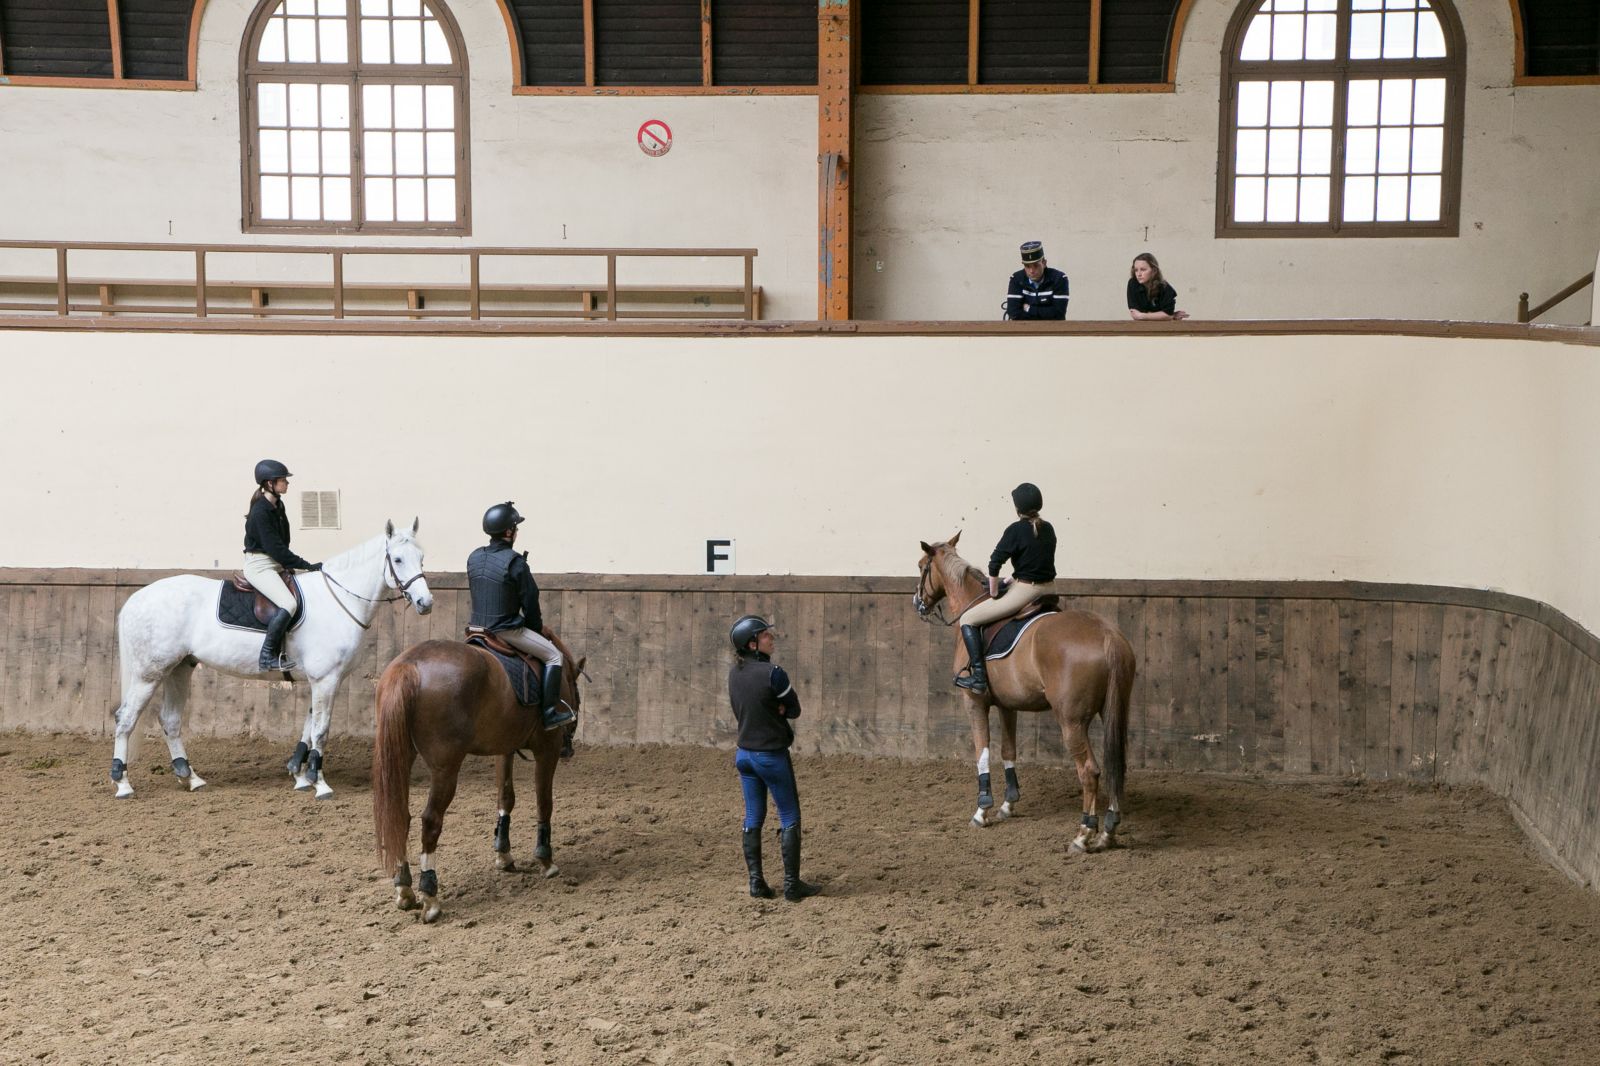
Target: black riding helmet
[745, 630]
[1027, 498]
[501, 517]
[270, 470]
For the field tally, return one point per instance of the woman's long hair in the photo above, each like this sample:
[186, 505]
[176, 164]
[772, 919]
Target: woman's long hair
[1152, 288]
[1032, 518]
[259, 494]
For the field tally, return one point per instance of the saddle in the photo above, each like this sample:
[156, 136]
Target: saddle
[241, 606]
[1001, 635]
[525, 673]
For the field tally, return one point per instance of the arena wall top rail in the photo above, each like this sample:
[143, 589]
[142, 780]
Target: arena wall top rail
[338, 298]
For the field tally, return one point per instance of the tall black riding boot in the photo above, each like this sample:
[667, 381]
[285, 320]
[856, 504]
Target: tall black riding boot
[555, 716]
[977, 678]
[752, 861]
[794, 889]
[272, 657]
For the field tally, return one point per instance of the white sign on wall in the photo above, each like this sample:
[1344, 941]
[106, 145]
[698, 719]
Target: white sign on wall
[719, 557]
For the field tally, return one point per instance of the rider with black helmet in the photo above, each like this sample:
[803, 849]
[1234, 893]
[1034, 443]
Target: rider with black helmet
[267, 556]
[1030, 544]
[764, 703]
[505, 601]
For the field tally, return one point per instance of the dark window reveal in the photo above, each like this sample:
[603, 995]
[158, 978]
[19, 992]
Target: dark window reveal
[764, 42]
[914, 42]
[56, 38]
[1022, 42]
[1561, 38]
[1134, 37]
[647, 42]
[551, 35]
[155, 38]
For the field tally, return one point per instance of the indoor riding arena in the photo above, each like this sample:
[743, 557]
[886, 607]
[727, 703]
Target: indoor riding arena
[725, 296]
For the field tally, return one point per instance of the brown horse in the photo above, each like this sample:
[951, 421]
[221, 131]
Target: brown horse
[446, 700]
[1074, 663]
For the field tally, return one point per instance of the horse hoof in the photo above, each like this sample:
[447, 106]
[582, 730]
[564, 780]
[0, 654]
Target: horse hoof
[323, 791]
[301, 782]
[1004, 811]
[1077, 847]
[196, 782]
[551, 871]
[431, 910]
[124, 790]
[405, 899]
[504, 863]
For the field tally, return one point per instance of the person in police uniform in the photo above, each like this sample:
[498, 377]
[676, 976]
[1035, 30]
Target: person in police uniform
[764, 704]
[1038, 291]
[505, 601]
[267, 557]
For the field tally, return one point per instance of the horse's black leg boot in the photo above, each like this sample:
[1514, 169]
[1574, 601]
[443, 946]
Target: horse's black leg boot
[752, 861]
[272, 647]
[566, 740]
[977, 678]
[794, 889]
[555, 716]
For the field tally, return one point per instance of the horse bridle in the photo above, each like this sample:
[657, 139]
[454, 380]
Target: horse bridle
[928, 612]
[402, 586]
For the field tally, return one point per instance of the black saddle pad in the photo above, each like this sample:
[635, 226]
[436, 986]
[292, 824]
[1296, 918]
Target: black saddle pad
[1006, 638]
[526, 682]
[237, 610]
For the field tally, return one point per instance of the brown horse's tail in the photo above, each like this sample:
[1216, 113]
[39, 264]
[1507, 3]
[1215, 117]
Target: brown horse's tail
[1120, 662]
[392, 756]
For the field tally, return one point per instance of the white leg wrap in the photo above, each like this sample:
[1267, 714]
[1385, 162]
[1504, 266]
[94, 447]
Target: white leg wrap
[983, 761]
[119, 748]
[426, 862]
[1009, 764]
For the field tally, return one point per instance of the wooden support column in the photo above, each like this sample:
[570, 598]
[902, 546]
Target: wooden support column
[836, 86]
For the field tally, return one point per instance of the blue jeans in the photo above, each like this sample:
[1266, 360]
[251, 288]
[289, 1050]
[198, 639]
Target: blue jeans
[761, 772]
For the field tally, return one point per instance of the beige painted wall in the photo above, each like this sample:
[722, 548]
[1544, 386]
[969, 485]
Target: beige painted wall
[1462, 462]
[947, 186]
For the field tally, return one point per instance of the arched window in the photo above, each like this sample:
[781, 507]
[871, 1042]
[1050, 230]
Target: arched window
[355, 118]
[1341, 118]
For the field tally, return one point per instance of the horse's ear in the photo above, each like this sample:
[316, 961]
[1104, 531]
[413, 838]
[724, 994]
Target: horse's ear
[952, 540]
[927, 549]
[388, 528]
[416, 523]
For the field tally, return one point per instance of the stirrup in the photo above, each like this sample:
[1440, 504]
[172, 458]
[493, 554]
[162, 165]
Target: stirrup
[972, 682]
[281, 665]
[556, 717]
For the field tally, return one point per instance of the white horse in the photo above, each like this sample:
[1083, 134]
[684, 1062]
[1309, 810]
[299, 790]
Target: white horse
[170, 626]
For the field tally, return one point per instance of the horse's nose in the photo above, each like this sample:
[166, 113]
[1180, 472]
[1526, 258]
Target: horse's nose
[425, 605]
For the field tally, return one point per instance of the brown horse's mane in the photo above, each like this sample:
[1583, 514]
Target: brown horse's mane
[968, 569]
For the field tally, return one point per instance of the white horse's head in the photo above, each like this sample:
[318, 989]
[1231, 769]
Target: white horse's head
[402, 567]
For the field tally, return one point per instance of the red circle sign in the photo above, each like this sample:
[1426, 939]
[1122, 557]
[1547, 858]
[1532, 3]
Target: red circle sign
[655, 137]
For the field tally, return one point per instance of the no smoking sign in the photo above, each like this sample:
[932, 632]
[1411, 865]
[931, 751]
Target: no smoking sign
[655, 137]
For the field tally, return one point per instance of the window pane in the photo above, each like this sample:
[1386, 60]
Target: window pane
[1425, 197]
[1427, 151]
[441, 199]
[374, 7]
[303, 152]
[1394, 150]
[379, 153]
[300, 7]
[1281, 199]
[408, 153]
[1288, 36]
[379, 194]
[272, 47]
[409, 203]
[407, 8]
[1248, 199]
[1392, 199]
[334, 41]
[274, 104]
[408, 41]
[408, 107]
[274, 152]
[1283, 152]
[1367, 5]
[336, 199]
[336, 152]
[1314, 197]
[441, 153]
[305, 199]
[1322, 5]
[1285, 103]
[1362, 107]
[302, 104]
[1257, 39]
[1399, 35]
[1396, 109]
[1318, 103]
[1430, 36]
[1430, 101]
[375, 105]
[1253, 103]
[302, 41]
[1251, 152]
[374, 41]
[441, 104]
[1358, 193]
[1361, 151]
[1316, 152]
[435, 48]
[1366, 35]
[1321, 34]
[330, 7]
[336, 107]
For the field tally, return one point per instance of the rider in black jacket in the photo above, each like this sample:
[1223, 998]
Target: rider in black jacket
[267, 557]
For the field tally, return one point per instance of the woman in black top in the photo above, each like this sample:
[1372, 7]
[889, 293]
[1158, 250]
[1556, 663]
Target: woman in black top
[1150, 298]
[1030, 544]
[267, 556]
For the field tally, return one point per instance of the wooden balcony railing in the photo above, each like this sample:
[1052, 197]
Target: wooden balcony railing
[1525, 314]
[203, 293]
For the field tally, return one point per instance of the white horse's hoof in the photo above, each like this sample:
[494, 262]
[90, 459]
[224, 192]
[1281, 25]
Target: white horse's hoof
[196, 782]
[980, 819]
[551, 870]
[301, 782]
[323, 791]
[430, 908]
[124, 790]
[1004, 811]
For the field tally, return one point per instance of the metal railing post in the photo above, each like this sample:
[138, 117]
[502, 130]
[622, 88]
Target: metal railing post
[338, 284]
[749, 287]
[1522, 308]
[200, 282]
[611, 286]
[475, 295]
[61, 281]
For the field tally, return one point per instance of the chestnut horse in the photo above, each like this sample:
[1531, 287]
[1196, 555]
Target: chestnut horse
[446, 700]
[1074, 663]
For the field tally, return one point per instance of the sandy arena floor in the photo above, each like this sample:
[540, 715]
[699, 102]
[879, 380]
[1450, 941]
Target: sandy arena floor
[1243, 921]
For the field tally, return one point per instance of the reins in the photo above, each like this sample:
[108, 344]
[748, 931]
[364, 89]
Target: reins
[935, 612]
[402, 586]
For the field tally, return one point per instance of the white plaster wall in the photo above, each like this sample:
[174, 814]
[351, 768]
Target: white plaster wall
[950, 185]
[1465, 462]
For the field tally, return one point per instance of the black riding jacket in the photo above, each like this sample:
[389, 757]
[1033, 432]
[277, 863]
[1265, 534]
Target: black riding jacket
[1033, 556]
[504, 594]
[266, 532]
[763, 703]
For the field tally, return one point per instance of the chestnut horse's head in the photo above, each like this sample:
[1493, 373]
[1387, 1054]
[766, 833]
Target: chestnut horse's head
[932, 584]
